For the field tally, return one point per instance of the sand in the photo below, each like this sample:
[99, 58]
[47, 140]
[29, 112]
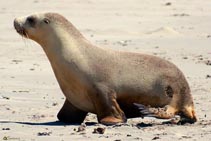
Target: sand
[30, 98]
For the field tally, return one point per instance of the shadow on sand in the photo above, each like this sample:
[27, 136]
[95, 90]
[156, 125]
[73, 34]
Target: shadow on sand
[53, 123]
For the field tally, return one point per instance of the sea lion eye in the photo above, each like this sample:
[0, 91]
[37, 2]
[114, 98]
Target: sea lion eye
[47, 21]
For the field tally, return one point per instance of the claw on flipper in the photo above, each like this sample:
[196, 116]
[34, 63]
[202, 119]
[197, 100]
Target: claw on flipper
[144, 111]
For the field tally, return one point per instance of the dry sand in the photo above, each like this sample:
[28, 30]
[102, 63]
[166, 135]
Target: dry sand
[30, 98]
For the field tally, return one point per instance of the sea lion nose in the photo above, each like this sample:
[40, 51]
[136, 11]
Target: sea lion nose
[17, 25]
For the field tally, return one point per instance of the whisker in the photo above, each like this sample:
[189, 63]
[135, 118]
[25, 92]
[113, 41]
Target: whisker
[28, 43]
[25, 41]
[27, 36]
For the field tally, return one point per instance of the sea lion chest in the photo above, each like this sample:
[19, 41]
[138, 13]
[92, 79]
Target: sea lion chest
[73, 81]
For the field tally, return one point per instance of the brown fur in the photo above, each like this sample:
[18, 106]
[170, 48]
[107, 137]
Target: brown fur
[107, 82]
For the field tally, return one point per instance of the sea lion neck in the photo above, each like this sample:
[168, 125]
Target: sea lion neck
[64, 44]
[64, 23]
[60, 32]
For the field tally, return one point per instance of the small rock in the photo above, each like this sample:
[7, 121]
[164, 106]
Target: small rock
[82, 127]
[208, 76]
[44, 133]
[168, 4]
[4, 97]
[186, 137]
[123, 43]
[37, 117]
[175, 120]
[6, 138]
[155, 138]
[17, 61]
[99, 130]
[55, 104]
[5, 128]
[128, 135]
[208, 62]
[181, 15]
[201, 58]
[184, 14]
[36, 1]
[23, 91]
[185, 57]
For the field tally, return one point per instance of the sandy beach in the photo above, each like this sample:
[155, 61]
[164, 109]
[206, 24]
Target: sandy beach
[30, 98]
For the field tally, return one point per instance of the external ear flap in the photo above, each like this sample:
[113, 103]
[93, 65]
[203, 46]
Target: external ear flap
[47, 21]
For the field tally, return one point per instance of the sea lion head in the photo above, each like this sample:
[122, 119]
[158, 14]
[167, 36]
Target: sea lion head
[34, 26]
[43, 26]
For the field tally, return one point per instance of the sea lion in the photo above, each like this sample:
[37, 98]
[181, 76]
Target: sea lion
[104, 81]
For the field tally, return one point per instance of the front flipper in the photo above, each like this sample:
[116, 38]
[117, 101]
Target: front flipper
[107, 109]
[70, 114]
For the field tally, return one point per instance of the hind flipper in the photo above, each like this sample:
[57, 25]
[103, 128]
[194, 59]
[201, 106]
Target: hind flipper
[166, 112]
